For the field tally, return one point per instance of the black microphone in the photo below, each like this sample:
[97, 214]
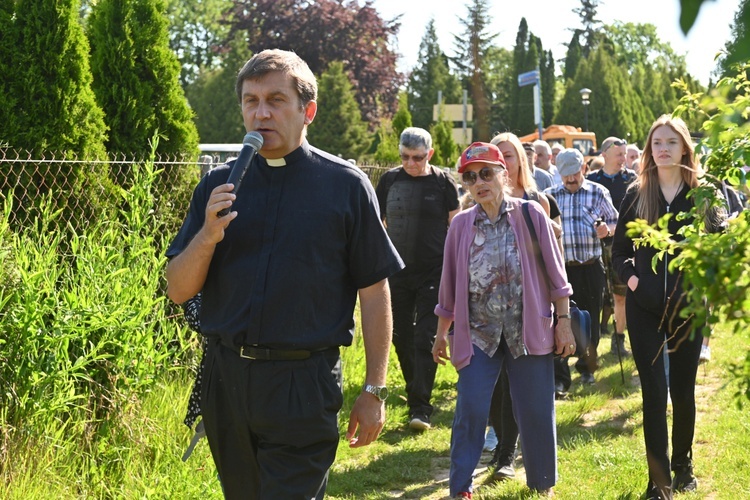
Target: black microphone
[252, 142]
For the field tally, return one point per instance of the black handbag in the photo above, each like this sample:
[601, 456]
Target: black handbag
[580, 319]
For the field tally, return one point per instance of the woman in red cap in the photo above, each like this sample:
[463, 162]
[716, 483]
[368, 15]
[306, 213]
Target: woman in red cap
[499, 295]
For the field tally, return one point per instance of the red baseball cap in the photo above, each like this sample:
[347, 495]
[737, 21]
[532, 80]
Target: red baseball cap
[481, 152]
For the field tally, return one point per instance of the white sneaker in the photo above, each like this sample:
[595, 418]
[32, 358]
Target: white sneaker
[490, 440]
[419, 422]
[705, 356]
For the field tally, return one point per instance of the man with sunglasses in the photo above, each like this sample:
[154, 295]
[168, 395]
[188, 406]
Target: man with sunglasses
[417, 202]
[616, 177]
[588, 216]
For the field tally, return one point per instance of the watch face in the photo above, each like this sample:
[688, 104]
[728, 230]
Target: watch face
[380, 392]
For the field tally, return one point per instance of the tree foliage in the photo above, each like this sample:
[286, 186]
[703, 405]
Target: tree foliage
[338, 127]
[325, 31]
[737, 49]
[136, 79]
[591, 26]
[615, 109]
[431, 75]
[50, 82]
[218, 116]
[446, 150]
[471, 48]
[196, 31]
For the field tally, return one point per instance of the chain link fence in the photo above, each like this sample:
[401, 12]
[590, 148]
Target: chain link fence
[83, 190]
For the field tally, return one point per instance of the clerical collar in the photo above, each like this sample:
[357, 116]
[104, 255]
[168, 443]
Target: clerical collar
[289, 159]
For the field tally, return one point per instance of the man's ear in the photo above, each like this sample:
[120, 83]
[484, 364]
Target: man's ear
[430, 153]
[310, 110]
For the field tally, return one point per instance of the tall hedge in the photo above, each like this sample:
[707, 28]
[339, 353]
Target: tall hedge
[55, 108]
[136, 79]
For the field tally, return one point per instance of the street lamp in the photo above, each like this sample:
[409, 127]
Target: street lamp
[585, 94]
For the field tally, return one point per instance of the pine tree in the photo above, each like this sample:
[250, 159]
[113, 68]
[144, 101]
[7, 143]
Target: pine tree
[338, 127]
[430, 75]
[573, 56]
[472, 47]
[615, 109]
[548, 83]
[446, 150]
[738, 47]
[52, 84]
[8, 49]
[218, 116]
[402, 119]
[592, 26]
[136, 79]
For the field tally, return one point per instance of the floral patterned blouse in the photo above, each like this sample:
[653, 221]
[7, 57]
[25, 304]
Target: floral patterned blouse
[495, 285]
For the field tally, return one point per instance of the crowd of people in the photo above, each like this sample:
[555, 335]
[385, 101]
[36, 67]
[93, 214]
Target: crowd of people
[480, 271]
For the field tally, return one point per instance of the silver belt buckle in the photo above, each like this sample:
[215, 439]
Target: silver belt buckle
[245, 356]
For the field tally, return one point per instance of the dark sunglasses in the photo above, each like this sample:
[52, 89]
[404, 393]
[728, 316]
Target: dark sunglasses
[414, 158]
[618, 142]
[469, 177]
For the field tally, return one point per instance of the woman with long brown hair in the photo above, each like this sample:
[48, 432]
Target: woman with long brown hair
[669, 171]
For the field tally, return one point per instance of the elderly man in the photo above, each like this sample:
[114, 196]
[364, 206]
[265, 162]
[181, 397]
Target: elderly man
[588, 216]
[616, 177]
[556, 148]
[417, 203]
[279, 276]
[543, 160]
[632, 157]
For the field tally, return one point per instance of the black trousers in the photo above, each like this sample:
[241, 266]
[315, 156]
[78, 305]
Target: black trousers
[414, 296]
[272, 426]
[502, 419]
[647, 343]
[588, 292]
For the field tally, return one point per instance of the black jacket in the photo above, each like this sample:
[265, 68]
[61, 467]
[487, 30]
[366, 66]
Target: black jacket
[654, 288]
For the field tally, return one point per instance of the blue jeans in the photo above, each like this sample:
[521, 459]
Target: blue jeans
[532, 390]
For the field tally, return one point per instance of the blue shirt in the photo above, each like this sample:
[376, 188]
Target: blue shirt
[307, 237]
[578, 212]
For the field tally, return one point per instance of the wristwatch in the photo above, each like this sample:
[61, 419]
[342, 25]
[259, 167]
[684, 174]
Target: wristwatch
[379, 391]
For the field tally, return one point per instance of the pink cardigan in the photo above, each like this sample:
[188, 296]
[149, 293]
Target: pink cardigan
[453, 300]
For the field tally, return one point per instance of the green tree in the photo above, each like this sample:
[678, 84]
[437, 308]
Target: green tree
[402, 119]
[51, 82]
[738, 47]
[196, 30]
[389, 133]
[573, 56]
[615, 109]
[472, 47]
[446, 150]
[338, 127]
[431, 75]
[500, 80]
[218, 116]
[591, 26]
[8, 48]
[136, 79]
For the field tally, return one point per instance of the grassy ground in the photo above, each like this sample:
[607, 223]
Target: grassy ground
[599, 438]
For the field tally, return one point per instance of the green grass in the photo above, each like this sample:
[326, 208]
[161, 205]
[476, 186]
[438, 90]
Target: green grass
[600, 444]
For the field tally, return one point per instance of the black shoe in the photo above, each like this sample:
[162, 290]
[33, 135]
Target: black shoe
[560, 391]
[419, 422]
[618, 342]
[588, 378]
[684, 479]
[504, 471]
[654, 492]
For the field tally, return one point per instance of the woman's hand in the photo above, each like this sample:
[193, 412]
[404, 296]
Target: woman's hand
[440, 348]
[565, 342]
[633, 283]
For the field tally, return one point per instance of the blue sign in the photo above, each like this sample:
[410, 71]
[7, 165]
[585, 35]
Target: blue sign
[529, 78]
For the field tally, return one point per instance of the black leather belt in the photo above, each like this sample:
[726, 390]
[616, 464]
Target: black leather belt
[574, 263]
[263, 354]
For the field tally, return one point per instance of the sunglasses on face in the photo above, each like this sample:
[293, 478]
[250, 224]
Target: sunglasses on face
[618, 142]
[469, 177]
[414, 158]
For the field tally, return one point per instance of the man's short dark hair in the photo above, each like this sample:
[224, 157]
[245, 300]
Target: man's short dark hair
[283, 61]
